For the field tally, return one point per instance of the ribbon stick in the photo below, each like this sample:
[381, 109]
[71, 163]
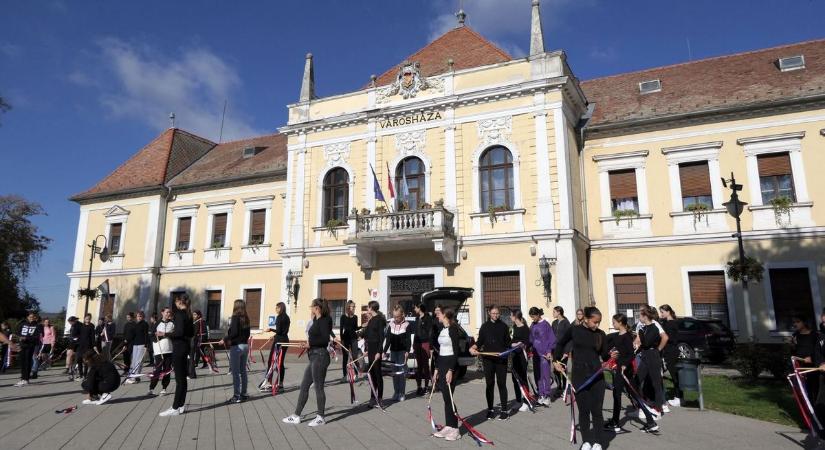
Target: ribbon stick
[637, 397]
[434, 426]
[799, 404]
[800, 381]
[478, 437]
[571, 396]
[609, 364]
[375, 393]
[529, 400]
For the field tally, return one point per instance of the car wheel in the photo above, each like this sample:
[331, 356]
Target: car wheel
[686, 351]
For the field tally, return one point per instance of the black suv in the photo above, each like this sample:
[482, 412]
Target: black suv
[703, 338]
[455, 298]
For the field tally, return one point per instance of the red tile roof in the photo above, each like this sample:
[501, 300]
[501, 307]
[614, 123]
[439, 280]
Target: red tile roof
[225, 162]
[466, 48]
[741, 79]
[153, 165]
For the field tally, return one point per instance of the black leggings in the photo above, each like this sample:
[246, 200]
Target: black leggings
[671, 358]
[82, 370]
[590, 402]
[180, 361]
[495, 371]
[650, 375]
[279, 362]
[376, 375]
[26, 355]
[520, 370]
[315, 374]
[445, 364]
[164, 366]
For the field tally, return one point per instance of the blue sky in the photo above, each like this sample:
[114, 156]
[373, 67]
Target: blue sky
[92, 82]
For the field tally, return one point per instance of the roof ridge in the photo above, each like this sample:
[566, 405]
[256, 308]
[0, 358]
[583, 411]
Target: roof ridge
[711, 58]
[456, 29]
[248, 138]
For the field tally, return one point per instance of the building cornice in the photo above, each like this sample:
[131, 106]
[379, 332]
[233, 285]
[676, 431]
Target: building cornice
[709, 238]
[771, 137]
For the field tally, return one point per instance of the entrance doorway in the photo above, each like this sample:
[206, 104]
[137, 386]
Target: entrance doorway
[406, 291]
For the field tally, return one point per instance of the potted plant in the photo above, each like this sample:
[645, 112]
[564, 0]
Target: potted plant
[380, 209]
[628, 214]
[332, 224]
[439, 203]
[492, 210]
[365, 211]
[425, 205]
[750, 269]
[781, 207]
[698, 210]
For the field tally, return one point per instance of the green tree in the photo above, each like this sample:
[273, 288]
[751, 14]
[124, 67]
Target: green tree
[21, 245]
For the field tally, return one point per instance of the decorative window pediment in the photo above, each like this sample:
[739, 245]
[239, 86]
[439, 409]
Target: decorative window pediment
[116, 211]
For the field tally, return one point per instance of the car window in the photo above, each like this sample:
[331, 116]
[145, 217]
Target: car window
[716, 327]
[688, 325]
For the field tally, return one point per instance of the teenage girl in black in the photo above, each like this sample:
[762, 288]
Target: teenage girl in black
[85, 342]
[447, 343]
[671, 352]
[374, 336]
[622, 342]
[281, 337]
[181, 337]
[494, 336]
[589, 348]
[521, 336]
[650, 342]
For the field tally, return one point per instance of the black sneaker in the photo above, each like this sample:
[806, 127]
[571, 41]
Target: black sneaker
[611, 425]
[504, 415]
[650, 428]
[244, 397]
[420, 391]
[491, 414]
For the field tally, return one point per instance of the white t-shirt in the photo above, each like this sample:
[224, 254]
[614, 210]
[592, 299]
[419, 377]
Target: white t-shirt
[445, 343]
[164, 345]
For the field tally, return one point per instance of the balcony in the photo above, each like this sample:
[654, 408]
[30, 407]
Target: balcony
[380, 233]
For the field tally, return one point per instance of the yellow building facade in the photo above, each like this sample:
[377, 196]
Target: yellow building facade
[510, 176]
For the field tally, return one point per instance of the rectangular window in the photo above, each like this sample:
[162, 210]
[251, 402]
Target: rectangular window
[502, 289]
[213, 309]
[257, 225]
[335, 293]
[219, 230]
[252, 297]
[108, 307]
[791, 292]
[694, 179]
[623, 195]
[708, 296]
[775, 177]
[631, 294]
[184, 233]
[115, 231]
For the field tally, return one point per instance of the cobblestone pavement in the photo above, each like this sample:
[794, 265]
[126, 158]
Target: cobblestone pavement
[130, 420]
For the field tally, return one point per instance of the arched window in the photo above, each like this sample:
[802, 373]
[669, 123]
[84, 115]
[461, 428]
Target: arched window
[336, 195]
[495, 173]
[410, 170]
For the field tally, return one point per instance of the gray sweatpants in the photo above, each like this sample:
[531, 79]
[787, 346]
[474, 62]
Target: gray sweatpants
[137, 358]
[315, 373]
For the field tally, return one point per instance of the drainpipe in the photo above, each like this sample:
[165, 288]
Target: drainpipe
[585, 120]
[159, 246]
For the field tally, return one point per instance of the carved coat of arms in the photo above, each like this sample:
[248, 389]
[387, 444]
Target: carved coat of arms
[409, 81]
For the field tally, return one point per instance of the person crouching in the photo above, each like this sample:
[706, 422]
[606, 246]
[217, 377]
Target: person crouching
[101, 380]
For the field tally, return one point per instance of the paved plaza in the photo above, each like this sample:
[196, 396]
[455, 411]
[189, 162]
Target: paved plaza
[130, 420]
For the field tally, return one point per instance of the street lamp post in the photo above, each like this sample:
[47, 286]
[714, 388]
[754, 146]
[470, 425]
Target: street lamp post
[735, 208]
[104, 256]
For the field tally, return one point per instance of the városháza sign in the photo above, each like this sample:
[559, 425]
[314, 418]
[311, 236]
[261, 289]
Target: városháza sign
[428, 116]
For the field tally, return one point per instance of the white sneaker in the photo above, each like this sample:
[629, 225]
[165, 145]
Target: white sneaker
[88, 402]
[442, 432]
[587, 446]
[524, 407]
[402, 398]
[453, 435]
[21, 383]
[656, 415]
[675, 402]
[150, 393]
[545, 401]
[596, 446]
[170, 412]
[665, 408]
[163, 392]
[293, 419]
[265, 388]
[317, 421]
[131, 381]
[103, 399]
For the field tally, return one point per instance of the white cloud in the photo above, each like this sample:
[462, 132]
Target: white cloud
[9, 49]
[496, 19]
[605, 54]
[147, 85]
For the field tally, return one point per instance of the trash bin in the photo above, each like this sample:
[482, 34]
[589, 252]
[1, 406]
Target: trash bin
[690, 377]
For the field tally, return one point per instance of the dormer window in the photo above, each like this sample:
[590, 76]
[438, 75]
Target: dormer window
[791, 63]
[650, 86]
[249, 152]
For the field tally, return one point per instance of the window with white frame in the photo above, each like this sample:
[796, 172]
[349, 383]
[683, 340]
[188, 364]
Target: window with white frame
[694, 180]
[631, 294]
[219, 227]
[775, 177]
[792, 297]
[623, 193]
[495, 173]
[257, 226]
[184, 237]
[503, 290]
[708, 295]
[115, 235]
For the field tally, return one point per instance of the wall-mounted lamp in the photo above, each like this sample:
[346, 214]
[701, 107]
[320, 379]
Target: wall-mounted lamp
[293, 286]
[546, 277]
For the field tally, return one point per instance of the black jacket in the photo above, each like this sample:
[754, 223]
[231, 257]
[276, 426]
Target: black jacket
[129, 332]
[184, 331]
[672, 330]
[456, 338]
[282, 328]
[589, 348]
[348, 328]
[374, 333]
[319, 332]
[521, 334]
[141, 333]
[423, 328]
[624, 344]
[560, 327]
[86, 340]
[398, 337]
[237, 334]
[110, 332]
[493, 336]
[104, 374]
